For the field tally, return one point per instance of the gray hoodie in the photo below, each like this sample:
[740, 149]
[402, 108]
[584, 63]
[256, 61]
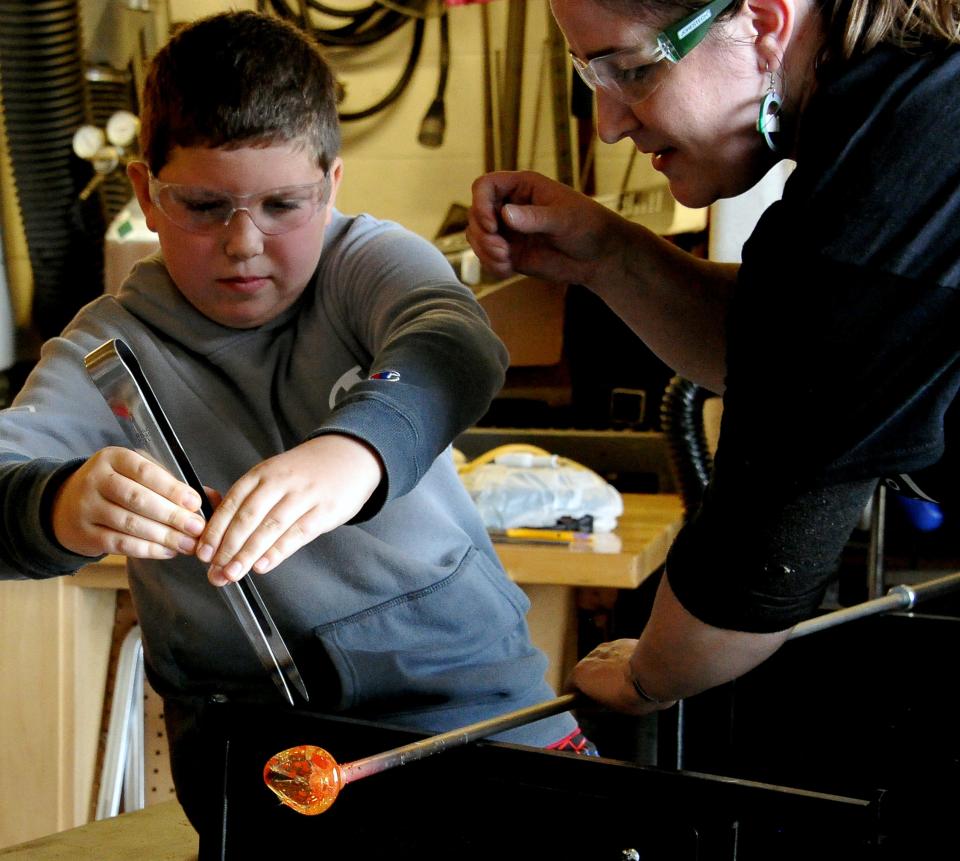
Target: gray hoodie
[408, 603]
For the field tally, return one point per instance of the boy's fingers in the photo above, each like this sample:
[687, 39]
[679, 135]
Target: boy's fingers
[281, 532]
[530, 219]
[139, 549]
[261, 559]
[125, 544]
[237, 565]
[117, 530]
[224, 520]
[236, 520]
[137, 505]
[148, 474]
[273, 527]
[283, 548]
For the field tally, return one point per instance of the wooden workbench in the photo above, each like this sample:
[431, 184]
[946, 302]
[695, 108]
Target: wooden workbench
[548, 574]
[157, 833]
[649, 524]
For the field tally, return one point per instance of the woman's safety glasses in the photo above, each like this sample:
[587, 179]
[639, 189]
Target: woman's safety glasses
[632, 75]
[204, 210]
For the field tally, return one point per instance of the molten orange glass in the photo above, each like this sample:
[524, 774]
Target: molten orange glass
[305, 778]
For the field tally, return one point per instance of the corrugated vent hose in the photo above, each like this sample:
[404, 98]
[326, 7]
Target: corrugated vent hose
[681, 419]
[43, 94]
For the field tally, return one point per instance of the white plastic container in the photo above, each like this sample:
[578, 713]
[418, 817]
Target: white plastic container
[128, 240]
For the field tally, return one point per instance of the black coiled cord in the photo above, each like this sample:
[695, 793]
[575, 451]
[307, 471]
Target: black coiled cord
[366, 26]
[681, 419]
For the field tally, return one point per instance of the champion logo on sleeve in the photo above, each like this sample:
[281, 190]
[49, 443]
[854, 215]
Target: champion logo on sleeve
[389, 376]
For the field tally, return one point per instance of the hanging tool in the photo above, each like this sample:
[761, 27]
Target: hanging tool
[560, 93]
[513, 84]
[434, 122]
[489, 127]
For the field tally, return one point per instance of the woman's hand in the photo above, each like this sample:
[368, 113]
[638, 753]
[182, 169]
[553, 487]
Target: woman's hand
[676, 656]
[119, 501]
[676, 302]
[522, 222]
[604, 676]
[285, 502]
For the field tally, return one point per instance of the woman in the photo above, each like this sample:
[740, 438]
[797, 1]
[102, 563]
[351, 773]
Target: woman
[834, 343]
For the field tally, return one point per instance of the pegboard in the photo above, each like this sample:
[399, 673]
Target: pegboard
[156, 760]
[158, 781]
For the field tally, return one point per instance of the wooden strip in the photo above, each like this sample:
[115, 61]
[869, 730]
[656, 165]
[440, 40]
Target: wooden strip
[648, 526]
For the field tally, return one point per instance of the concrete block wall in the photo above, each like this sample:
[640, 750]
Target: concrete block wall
[388, 172]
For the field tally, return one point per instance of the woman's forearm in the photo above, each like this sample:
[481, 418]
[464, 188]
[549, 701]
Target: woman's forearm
[677, 655]
[674, 301]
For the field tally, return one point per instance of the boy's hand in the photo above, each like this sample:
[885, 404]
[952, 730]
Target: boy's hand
[121, 502]
[286, 502]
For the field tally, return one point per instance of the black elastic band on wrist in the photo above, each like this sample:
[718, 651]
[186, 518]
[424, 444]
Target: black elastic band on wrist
[641, 692]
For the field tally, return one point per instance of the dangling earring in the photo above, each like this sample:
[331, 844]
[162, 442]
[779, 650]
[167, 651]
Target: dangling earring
[768, 122]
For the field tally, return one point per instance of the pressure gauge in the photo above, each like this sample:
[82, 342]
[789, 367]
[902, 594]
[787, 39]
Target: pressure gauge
[87, 141]
[122, 128]
[106, 159]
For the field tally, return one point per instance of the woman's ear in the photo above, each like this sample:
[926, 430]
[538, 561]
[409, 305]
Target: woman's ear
[139, 175]
[773, 23]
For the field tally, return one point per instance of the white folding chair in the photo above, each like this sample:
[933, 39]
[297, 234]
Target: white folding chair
[123, 761]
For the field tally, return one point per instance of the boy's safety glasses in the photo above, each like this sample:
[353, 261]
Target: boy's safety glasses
[204, 210]
[632, 75]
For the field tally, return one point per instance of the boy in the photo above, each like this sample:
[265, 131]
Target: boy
[319, 391]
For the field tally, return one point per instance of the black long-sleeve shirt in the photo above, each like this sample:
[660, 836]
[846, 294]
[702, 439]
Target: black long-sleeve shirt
[843, 342]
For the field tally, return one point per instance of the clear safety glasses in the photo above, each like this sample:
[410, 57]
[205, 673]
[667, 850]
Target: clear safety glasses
[632, 75]
[204, 210]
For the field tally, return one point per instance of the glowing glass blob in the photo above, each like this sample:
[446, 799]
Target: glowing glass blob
[306, 778]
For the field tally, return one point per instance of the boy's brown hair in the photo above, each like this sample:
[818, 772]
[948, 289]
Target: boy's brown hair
[239, 79]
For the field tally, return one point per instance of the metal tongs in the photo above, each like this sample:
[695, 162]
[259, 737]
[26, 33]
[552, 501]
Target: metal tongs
[117, 374]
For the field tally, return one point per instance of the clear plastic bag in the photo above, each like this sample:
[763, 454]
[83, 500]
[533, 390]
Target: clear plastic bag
[525, 486]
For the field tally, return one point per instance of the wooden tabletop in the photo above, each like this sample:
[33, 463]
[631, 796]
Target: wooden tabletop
[160, 832]
[646, 529]
[649, 523]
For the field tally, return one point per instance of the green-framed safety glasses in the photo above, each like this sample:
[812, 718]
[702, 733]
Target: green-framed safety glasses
[632, 75]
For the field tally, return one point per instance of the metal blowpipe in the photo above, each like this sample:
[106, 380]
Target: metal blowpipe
[308, 779]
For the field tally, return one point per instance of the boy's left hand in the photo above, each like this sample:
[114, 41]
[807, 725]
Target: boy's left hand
[286, 502]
